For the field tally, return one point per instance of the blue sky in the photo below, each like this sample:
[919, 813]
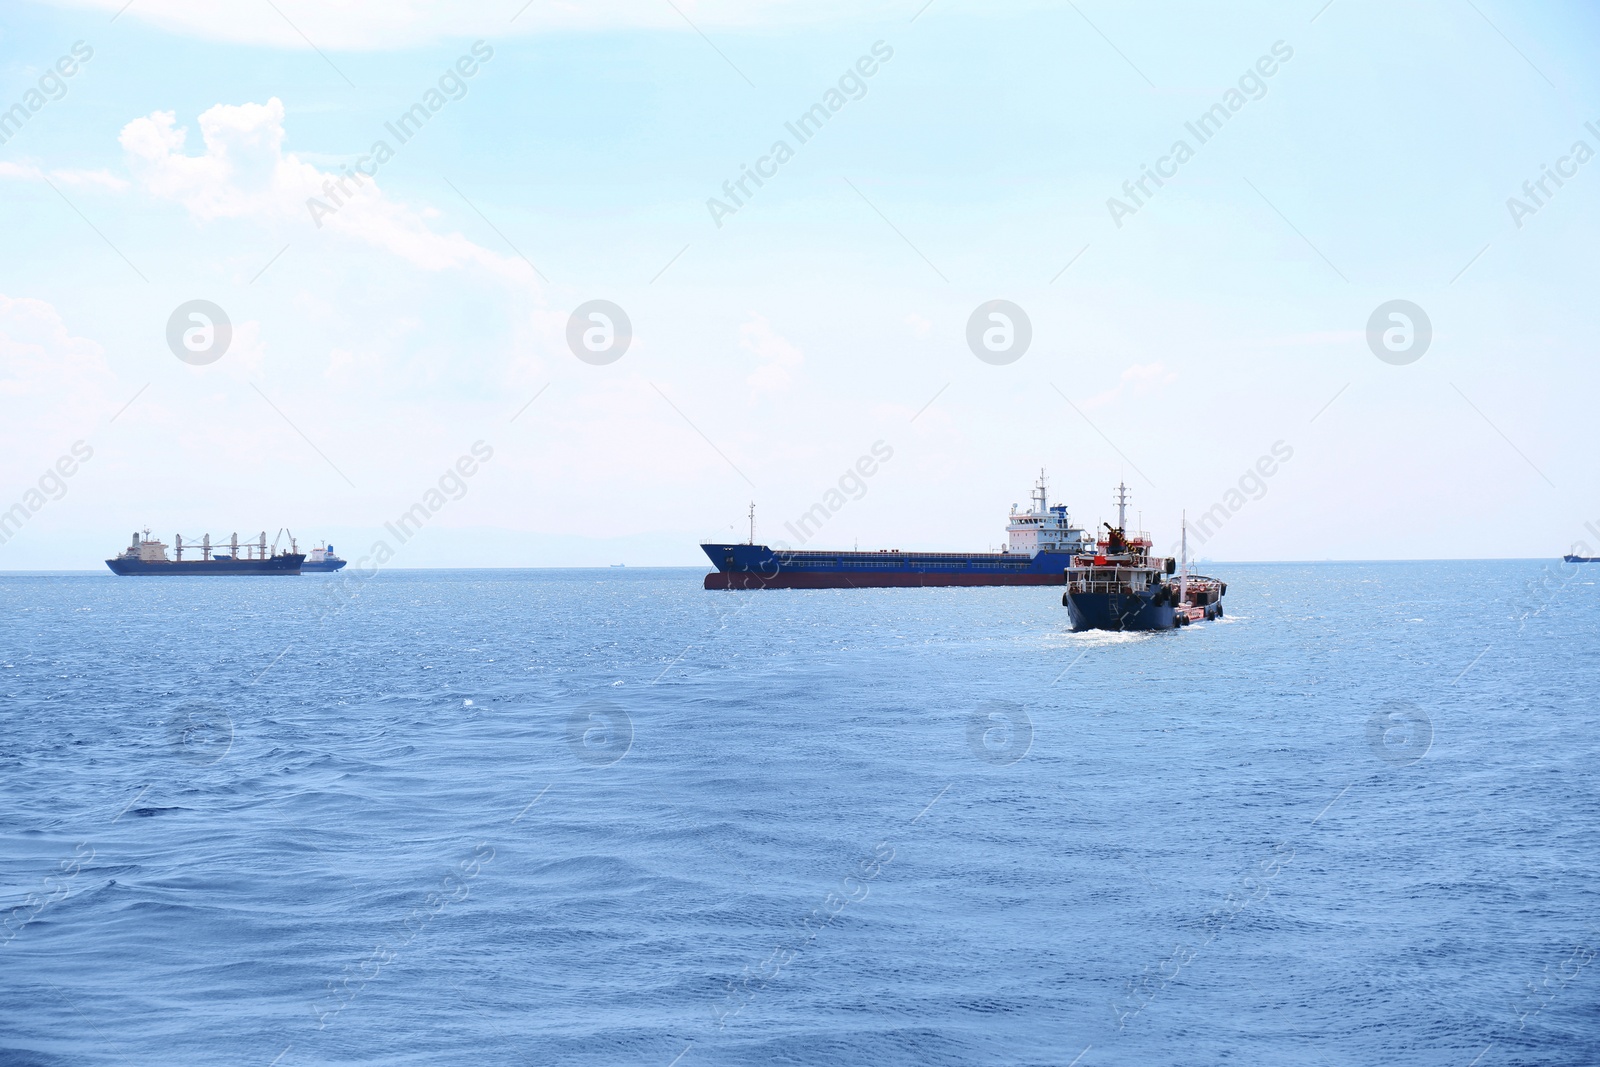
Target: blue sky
[772, 352]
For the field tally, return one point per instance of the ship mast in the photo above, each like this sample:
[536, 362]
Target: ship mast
[1122, 506]
[752, 523]
[1183, 576]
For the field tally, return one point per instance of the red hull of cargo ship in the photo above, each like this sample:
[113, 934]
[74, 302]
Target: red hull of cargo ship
[748, 580]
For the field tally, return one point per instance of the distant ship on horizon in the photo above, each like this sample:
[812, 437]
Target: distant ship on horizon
[146, 556]
[322, 560]
[1576, 557]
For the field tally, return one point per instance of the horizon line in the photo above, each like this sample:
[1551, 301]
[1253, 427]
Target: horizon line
[701, 567]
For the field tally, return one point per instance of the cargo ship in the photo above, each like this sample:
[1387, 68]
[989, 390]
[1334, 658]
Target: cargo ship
[1041, 544]
[321, 560]
[148, 556]
[1119, 585]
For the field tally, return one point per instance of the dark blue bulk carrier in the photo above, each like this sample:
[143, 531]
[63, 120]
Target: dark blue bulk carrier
[1041, 544]
[145, 556]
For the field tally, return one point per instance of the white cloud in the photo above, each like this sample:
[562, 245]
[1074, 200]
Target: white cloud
[27, 172]
[374, 25]
[243, 172]
[247, 353]
[778, 357]
[346, 367]
[102, 178]
[1141, 379]
[51, 382]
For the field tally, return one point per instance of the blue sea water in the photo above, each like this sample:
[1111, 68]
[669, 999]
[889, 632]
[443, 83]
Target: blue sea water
[606, 817]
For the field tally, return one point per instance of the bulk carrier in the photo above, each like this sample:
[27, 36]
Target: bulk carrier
[145, 556]
[1041, 544]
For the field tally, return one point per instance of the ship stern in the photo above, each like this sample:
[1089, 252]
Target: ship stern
[1118, 611]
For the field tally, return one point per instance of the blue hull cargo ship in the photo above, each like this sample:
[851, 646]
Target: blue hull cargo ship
[321, 561]
[1042, 543]
[146, 556]
[1118, 585]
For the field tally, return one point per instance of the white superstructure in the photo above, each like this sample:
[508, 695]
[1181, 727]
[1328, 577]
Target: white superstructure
[1043, 528]
[145, 550]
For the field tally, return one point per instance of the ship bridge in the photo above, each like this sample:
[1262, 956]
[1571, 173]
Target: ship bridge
[1044, 527]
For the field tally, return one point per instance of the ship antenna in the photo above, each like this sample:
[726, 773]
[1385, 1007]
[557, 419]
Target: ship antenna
[752, 522]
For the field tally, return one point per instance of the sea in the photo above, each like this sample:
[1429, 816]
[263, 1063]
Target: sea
[608, 817]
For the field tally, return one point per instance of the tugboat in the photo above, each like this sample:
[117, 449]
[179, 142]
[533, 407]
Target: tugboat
[1120, 586]
[149, 556]
[322, 559]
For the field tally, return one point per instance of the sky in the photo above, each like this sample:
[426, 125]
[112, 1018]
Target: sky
[1204, 340]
